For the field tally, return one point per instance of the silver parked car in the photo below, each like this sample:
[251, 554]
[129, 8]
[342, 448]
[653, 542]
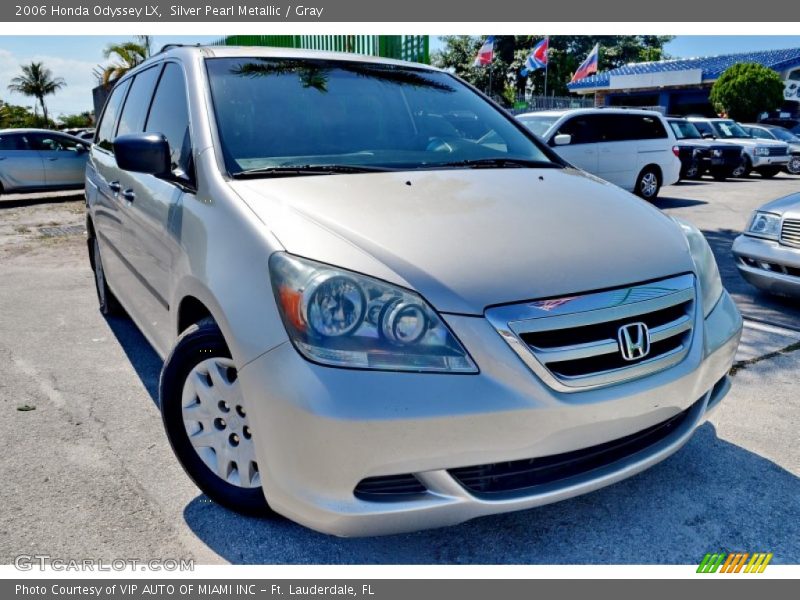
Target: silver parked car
[38, 159]
[768, 252]
[773, 132]
[374, 322]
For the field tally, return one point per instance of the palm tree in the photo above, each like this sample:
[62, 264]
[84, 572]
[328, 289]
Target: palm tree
[37, 81]
[128, 55]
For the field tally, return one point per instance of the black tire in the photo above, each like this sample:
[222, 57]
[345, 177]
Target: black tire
[197, 344]
[793, 167]
[768, 172]
[648, 184]
[744, 169]
[693, 171]
[107, 301]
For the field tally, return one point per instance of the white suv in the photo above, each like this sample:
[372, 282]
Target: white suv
[629, 148]
[765, 157]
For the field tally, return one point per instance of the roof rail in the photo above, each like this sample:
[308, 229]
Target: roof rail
[166, 47]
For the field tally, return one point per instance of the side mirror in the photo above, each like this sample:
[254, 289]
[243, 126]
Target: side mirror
[562, 139]
[143, 153]
[80, 148]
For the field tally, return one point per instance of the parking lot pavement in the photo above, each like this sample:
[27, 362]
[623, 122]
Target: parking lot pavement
[88, 471]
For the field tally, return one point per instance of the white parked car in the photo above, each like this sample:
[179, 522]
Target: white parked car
[629, 148]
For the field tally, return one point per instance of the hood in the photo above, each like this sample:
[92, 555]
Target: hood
[709, 144]
[753, 142]
[469, 238]
[787, 206]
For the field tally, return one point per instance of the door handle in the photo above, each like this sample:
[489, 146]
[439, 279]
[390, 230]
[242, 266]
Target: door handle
[53, 158]
[3, 157]
[115, 187]
[129, 195]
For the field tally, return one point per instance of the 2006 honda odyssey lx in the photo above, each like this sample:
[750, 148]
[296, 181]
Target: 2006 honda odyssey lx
[372, 320]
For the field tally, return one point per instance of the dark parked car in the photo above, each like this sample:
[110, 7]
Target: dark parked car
[699, 155]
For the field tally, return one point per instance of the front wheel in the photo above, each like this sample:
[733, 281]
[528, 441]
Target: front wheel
[693, 171]
[744, 168]
[794, 165]
[206, 421]
[648, 183]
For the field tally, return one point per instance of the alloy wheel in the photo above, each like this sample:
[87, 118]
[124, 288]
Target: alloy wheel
[649, 184]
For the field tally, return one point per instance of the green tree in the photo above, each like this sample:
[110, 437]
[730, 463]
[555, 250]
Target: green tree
[37, 81]
[566, 53]
[745, 90]
[127, 55]
[84, 119]
[12, 117]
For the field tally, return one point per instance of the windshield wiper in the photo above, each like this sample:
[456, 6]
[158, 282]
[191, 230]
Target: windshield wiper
[295, 170]
[498, 163]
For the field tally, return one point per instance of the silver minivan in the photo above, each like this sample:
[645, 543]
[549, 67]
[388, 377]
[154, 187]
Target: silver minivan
[374, 320]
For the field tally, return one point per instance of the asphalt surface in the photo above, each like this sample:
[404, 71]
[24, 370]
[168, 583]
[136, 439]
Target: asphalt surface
[89, 473]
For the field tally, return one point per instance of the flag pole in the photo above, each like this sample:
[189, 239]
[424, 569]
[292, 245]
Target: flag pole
[546, 65]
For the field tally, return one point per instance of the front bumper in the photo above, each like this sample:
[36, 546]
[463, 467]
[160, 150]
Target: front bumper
[319, 431]
[768, 265]
[760, 162]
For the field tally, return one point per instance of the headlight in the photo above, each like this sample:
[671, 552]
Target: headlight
[705, 265]
[343, 319]
[761, 151]
[765, 225]
[716, 153]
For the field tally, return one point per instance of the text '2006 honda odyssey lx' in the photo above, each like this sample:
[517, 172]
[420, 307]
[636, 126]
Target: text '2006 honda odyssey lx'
[373, 322]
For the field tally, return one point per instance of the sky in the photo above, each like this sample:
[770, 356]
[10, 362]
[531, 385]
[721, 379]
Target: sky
[74, 58]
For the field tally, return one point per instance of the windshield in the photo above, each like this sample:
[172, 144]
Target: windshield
[684, 130]
[275, 114]
[538, 125]
[729, 129]
[784, 135]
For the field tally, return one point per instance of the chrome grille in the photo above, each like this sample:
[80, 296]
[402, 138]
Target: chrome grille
[790, 233]
[778, 150]
[573, 343]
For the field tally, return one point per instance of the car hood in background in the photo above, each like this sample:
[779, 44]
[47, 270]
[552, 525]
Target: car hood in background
[788, 206]
[469, 238]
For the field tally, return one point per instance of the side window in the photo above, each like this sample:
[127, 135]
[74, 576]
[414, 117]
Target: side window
[12, 142]
[169, 115]
[759, 133]
[581, 128]
[648, 128]
[105, 132]
[54, 143]
[138, 101]
[615, 128]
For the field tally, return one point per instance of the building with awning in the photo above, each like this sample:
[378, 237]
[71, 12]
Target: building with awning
[682, 86]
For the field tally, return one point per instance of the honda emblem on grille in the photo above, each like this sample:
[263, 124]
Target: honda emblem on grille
[634, 341]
